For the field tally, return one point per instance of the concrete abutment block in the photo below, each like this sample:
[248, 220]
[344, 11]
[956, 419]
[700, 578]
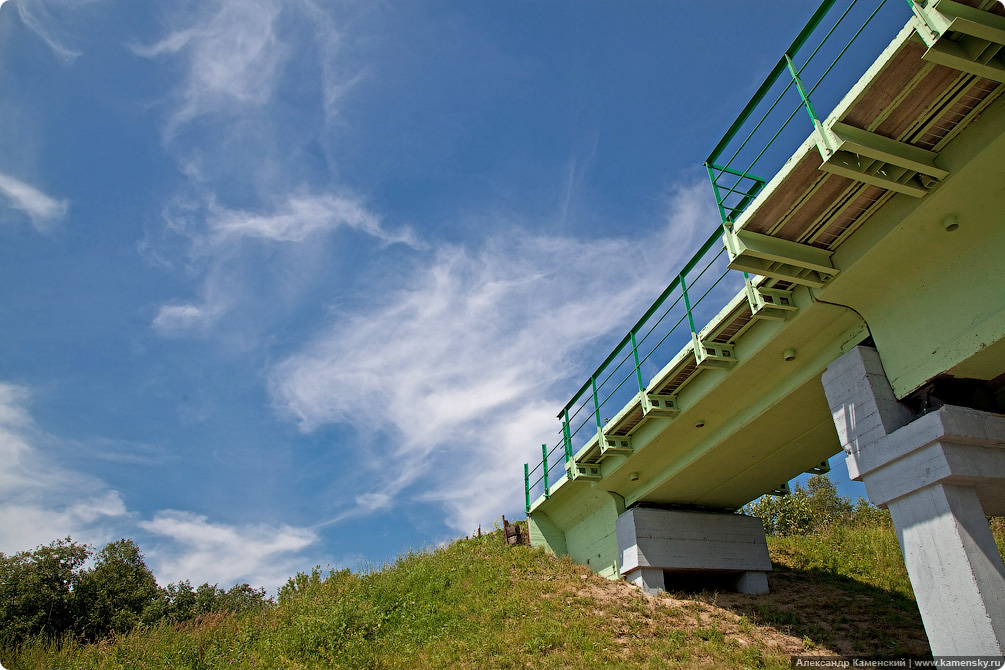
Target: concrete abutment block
[656, 543]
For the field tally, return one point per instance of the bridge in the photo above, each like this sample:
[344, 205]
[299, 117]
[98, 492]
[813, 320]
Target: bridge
[851, 298]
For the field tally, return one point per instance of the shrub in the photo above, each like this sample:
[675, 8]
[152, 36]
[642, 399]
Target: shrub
[811, 508]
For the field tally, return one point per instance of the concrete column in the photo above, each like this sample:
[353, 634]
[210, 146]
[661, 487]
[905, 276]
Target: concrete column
[938, 474]
[654, 541]
[955, 569]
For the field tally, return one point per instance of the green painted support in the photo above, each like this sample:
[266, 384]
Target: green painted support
[544, 464]
[567, 437]
[596, 403]
[526, 485]
[638, 370]
[687, 306]
[748, 195]
[805, 97]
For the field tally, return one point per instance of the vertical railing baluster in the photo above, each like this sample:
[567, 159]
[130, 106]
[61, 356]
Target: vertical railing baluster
[687, 305]
[526, 486]
[715, 190]
[544, 464]
[804, 96]
[567, 437]
[638, 370]
[596, 403]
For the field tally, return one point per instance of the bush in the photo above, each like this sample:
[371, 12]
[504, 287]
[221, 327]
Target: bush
[47, 594]
[111, 597]
[811, 508]
[37, 591]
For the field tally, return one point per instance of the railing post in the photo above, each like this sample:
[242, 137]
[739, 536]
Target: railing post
[806, 102]
[638, 370]
[715, 189]
[567, 436]
[526, 486]
[687, 305]
[596, 403]
[544, 464]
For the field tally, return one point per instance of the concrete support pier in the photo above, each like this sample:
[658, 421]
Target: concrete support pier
[939, 474]
[653, 542]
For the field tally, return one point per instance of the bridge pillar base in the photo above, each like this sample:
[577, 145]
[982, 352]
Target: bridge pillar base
[650, 580]
[938, 474]
[655, 543]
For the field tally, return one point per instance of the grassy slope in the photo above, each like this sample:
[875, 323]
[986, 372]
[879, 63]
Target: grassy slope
[482, 604]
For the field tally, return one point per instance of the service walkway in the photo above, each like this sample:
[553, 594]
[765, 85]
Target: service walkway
[883, 231]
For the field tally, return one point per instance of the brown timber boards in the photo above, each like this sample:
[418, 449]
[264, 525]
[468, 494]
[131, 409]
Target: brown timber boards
[781, 202]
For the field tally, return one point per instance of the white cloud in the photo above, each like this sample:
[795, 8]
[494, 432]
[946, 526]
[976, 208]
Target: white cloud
[296, 227]
[42, 209]
[179, 318]
[299, 217]
[233, 57]
[201, 551]
[39, 500]
[226, 127]
[461, 367]
[42, 17]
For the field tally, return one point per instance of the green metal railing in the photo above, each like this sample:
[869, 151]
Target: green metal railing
[758, 142]
[761, 138]
[668, 324]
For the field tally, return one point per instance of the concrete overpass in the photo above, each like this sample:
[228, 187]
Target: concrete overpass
[852, 298]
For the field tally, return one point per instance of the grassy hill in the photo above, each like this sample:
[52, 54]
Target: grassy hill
[480, 603]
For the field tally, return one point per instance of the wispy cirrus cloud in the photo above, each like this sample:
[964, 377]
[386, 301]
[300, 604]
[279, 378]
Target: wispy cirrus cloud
[40, 501]
[234, 140]
[43, 18]
[196, 549]
[460, 370]
[299, 217]
[42, 209]
[232, 57]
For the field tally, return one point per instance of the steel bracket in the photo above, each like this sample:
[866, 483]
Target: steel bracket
[713, 354]
[583, 472]
[614, 444]
[773, 304]
[779, 259]
[961, 37]
[877, 160]
[654, 404]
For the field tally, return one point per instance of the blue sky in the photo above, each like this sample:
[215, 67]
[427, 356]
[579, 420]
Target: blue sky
[295, 282]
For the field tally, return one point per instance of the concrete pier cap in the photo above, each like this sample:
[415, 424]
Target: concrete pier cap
[939, 474]
[654, 544]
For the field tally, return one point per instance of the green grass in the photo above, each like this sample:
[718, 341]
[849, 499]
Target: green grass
[482, 604]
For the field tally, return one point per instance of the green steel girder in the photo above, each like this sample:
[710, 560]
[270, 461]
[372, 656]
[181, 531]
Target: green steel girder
[654, 404]
[769, 303]
[713, 354]
[961, 37]
[779, 259]
[867, 157]
[614, 444]
[583, 472]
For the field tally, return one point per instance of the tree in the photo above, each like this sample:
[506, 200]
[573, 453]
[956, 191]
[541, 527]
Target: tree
[112, 597]
[37, 590]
